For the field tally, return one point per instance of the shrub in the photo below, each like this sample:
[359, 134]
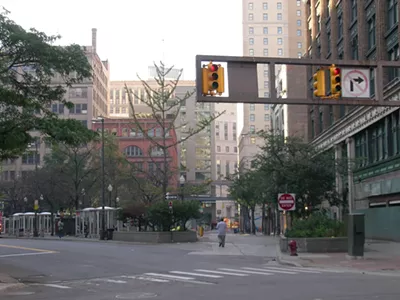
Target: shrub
[316, 225]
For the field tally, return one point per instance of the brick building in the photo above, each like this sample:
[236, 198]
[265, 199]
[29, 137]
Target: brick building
[369, 136]
[140, 150]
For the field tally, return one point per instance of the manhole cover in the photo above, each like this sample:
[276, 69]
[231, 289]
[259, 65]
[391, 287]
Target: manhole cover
[136, 296]
[20, 293]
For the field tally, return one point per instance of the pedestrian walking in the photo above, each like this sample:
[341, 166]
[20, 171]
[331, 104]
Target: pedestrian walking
[221, 231]
[60, 229]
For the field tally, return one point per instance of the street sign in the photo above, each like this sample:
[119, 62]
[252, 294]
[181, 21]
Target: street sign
[287, 202]
[356, 83]
[168, 196]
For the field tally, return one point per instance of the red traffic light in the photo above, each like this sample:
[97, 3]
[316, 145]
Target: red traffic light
[213, 68]
[336, 71]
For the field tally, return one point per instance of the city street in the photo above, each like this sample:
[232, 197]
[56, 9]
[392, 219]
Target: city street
[77, 270]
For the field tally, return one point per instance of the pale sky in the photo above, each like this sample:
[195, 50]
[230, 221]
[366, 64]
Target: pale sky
[130, 32]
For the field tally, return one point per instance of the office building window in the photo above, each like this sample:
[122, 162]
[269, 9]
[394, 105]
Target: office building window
[251, 41]
[266, 117]
[265, 30]
[265, 17]
[251, 17]
[265, 41]
[235, 149]
[265, 72]
[252, 129]
[265, 5]
[340, 27]
[265, 52]
[299, 45]
[251, 52]
[298, 2]
[279, 16]
[266, 106]
[251, 30]
[252, 107]
[279, 5]
[298, 22]
[371, 33]
[298, 13]
[226, 148]
[280, 52]
[280, 41]
[252, 117]
[266, 84]
[299, 55]
[298, 32]
[266, 94]
[279, 30]
[218, 148]
[392, 12]
[250, 5]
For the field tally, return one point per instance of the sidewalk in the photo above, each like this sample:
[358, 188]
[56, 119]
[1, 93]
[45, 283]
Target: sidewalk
[379, 256]
[7, 283]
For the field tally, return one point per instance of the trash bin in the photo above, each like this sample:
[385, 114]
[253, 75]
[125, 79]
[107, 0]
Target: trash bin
[110, 233]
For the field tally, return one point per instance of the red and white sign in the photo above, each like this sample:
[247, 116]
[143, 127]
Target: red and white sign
[355, 83]
[170, 203]
[287, 202]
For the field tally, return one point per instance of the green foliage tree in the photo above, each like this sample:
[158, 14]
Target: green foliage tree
[165, 107]
[29, 62]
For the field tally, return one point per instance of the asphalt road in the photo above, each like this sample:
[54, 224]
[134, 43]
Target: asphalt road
[73, 270]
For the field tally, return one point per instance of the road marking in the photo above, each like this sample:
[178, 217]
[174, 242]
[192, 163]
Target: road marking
[52, 285]
[26, 254]
[266, 270]
[244, 271]
[317, 270]
[109, 280]
[195, 274]
[151, 279]
[220, 272]
[169, 276]
[25, 248]
[297, 270]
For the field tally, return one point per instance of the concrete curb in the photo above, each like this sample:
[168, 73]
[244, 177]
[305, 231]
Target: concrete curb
[282, 261]
[10, 286]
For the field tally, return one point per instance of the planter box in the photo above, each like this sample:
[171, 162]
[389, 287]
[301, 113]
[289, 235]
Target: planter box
[316, 245]
[156, 237]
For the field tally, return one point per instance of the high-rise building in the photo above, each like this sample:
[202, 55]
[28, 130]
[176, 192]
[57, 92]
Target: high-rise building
[270, 28]
[90, 99]
[368, 136]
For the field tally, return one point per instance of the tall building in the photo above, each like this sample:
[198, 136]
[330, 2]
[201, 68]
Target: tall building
[368, 136]
[90, 99]
[270, 28]
[226, 154]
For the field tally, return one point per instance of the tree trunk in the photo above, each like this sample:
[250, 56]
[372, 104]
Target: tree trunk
[52, 221]
[253, 223]
[264, 227]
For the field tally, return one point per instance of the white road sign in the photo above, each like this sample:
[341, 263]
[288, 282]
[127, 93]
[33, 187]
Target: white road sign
[355, 83]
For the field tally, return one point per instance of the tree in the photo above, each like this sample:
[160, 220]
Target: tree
[29, 62]
[13, 193]
[165, 108]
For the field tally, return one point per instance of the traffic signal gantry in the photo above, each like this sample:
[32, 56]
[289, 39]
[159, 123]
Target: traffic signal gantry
[319, 86]
[213, 82]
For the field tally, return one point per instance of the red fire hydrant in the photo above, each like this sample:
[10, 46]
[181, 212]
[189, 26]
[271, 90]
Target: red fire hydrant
[293, 248]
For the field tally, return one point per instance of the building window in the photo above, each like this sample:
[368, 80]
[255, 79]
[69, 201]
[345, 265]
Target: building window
[279, 30]
[298, 32]
[252, 129]
[218, 148]
[353, 10]
[265, 30]
[265, 52]
[251, 17]
[298, 13]
[250, 5]
[279, 5]
[251, 52]
[266, 106]
[133, 151]
[280, 41]
[298, 2]
[252, 118]
[252, 107]
[371, 33]
[266, 94]
[253, 140]
[279, 16]
[354, 48]
[393, 13]
[251, 30]
[265, 72]
[298, 22]
[299, 55]
[328, 34]
[226, 148]
[265, 41]
[299, 45]
[265, 5]
[266, 84]
[235, 149]
[280, 52]
[265, 17]
[251, 41]
[340, 27]
[266, 117]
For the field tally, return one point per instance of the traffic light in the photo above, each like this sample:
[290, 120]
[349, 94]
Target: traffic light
[319, 84]
[213, 79]
[336, 81]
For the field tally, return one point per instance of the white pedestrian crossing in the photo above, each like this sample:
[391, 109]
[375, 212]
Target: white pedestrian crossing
[200, 276]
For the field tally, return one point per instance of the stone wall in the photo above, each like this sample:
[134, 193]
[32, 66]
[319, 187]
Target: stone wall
[316, 245]
[156, 237]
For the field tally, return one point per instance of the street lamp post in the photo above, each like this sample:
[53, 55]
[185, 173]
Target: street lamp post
[116, 202]
[25, 203]
[110, 188]
[182, 185]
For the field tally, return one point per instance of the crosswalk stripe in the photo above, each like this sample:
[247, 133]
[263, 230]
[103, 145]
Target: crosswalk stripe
[52, 285]
[109, 280]
[195, 274]
[274, 271]
[220, 272]
[318, 270]
[244, 271]
[169, 276]
[294, 270]
[146, 278]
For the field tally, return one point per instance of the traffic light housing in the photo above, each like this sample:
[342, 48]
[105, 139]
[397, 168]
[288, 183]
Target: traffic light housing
[319, 84]
[213, 79]
[336, 81]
